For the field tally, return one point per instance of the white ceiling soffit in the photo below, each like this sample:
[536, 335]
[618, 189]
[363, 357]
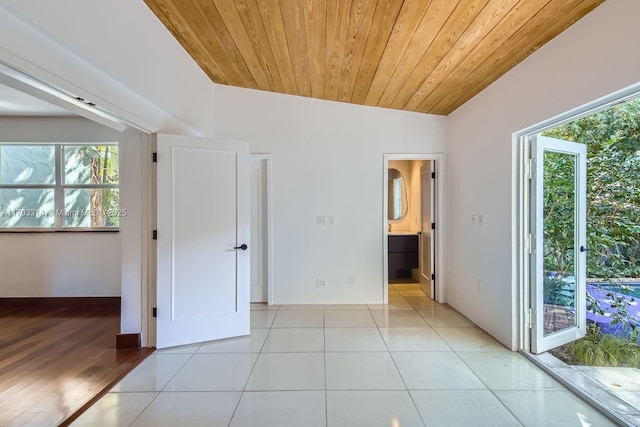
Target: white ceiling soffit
[47, 96]
[16, 103]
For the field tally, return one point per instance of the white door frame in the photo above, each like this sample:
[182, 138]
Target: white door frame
[267, 158]
[432, 233]
[521, 274]
[150, 222]
[441, 221]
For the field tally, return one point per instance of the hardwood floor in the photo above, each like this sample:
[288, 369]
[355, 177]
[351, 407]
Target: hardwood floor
[55, 361]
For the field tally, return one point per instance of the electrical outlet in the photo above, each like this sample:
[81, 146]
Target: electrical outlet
[332, 221]
[473, 220]
[322, 283]
[321, 220]
[480, 220]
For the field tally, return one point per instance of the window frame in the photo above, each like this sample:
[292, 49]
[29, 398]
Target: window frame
[59, 188]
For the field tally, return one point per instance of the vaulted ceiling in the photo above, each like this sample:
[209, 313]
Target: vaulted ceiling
[429, 56]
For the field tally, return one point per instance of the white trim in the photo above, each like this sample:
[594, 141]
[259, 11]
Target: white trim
[441, 220]
[269, 184]
[147, 247]
[149, 223]
[520, 197]
[18, 80]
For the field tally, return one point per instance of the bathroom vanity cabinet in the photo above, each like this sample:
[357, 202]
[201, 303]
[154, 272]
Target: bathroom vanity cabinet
[403, 254]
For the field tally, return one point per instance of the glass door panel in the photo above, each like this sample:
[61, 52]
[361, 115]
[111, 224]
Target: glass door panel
[559, 231]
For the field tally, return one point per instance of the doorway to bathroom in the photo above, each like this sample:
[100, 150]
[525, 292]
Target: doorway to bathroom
[413, 217]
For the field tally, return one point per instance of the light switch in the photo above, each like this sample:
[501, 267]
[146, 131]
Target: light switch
[321, 220]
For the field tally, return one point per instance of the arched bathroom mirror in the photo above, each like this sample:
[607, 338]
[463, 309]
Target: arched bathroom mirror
[398, 204]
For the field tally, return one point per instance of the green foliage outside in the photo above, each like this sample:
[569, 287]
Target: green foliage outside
[598, 349]
[612, 139]
[96, 165]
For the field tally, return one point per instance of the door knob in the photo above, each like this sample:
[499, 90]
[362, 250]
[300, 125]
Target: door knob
[241, 247]
[583, 249]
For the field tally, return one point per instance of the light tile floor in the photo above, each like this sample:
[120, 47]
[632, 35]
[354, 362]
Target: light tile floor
[411, 363]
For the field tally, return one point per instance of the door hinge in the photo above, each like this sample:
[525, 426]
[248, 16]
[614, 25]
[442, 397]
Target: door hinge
[155, 312]
[531, 314]
[530, 168]
[433, 225]
[529, 243]
[433, 276]
[154, 157]
[433, 175]
[155, 235]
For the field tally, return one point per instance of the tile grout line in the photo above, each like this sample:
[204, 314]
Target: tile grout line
[397, 369]
[489, 389]
[253, 367]
[324, 352]
[456, 352]
[144, 409]
[163, 387]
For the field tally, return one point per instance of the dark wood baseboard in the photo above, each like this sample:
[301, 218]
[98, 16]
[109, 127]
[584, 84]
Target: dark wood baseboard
[128, 341]
[60, 302]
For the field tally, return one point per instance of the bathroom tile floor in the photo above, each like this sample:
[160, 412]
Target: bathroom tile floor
[410, 363]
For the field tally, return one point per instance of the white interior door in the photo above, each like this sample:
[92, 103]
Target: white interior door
[558, 242]
[427, 235]
[259, 234]
[202, 221]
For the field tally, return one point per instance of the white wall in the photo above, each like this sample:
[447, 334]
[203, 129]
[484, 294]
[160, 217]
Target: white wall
[115, 53]
[135, 163]
[58, 264]
[327, 160]
[596, 56]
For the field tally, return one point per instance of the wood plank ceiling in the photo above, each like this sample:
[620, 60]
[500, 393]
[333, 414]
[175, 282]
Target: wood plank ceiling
[428, 56]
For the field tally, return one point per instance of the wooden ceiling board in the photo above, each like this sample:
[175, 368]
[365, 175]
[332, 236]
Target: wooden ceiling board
[503, 60]
[359, 29]
[405, 27]
[424, 76]
[271, 15]
[449, 31]
[294, 27]
[193, 45]
[384, 20]
[337, 29]
[437, 13]
[216, 44]
[315, 13]
[463, 60]
[251, 20]
[226, 14]
[427, 56]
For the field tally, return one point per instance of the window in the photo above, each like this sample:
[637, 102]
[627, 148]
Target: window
[52, 187]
